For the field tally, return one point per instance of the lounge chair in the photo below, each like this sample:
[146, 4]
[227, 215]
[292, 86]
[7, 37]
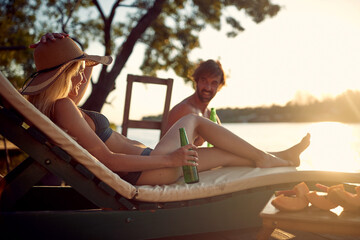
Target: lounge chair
[95, 203]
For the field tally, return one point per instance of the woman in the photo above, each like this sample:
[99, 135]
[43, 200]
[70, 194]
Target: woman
[58, 86]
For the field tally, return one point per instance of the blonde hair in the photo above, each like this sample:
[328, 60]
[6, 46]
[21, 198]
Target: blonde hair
[45, 100]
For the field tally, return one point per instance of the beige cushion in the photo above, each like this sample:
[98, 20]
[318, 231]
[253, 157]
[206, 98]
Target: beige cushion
[232, 179]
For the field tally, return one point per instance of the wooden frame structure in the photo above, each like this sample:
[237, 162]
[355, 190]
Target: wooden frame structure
[127, 123]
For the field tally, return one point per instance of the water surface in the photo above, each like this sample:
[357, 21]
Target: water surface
[334, 146]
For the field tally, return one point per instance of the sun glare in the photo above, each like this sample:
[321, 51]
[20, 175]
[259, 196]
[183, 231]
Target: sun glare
[334, 147]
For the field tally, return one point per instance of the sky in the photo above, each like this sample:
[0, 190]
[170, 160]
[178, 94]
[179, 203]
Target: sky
[309, 47]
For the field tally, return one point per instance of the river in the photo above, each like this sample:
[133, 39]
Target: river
[334, 146]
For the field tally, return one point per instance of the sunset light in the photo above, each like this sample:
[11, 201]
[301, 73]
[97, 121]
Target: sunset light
[334, 147]
[310, 47]
[309, 50]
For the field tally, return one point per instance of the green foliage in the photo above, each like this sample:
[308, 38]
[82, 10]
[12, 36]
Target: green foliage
[17, 31]
[22, 23]
[71, 17]
[175, 33]
[169, 32]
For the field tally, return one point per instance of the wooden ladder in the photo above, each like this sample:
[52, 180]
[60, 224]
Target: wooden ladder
[146, 124]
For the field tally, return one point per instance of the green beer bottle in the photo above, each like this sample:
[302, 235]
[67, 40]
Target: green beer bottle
[212, 118]
[190, 172]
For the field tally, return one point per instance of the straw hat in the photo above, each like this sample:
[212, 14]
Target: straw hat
[53, 58]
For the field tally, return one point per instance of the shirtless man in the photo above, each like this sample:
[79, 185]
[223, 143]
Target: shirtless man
[209, 78]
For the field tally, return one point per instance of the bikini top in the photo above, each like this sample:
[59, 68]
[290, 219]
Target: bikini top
[102, 124]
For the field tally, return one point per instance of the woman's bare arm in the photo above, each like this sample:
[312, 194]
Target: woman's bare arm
[68, 116]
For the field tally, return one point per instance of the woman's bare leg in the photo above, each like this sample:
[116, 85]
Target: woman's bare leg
[229, 150]
[169, 143]
[227, 141]
[208, 157]
[160, 176]
[214, 157]
[293, 153]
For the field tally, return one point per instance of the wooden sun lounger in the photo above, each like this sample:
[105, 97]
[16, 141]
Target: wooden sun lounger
[98, 204]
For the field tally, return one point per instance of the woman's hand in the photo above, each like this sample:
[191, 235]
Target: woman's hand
[49, 36]
[186, 155]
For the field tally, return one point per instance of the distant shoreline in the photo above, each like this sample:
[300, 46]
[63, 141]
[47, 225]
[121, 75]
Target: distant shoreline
[344, 108]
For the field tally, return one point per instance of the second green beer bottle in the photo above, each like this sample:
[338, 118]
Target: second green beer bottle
[212, 118]
[190, 172]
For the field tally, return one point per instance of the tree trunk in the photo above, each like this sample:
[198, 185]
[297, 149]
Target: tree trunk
[106, 82]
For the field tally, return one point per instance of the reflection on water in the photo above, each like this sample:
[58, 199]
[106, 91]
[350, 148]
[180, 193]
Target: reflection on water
[334, 146]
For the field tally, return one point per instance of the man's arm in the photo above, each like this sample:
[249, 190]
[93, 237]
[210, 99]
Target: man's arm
[177, 112]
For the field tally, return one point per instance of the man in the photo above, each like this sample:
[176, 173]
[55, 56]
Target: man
[209, 78]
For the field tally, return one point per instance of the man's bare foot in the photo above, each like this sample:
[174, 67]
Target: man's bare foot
[288, 157]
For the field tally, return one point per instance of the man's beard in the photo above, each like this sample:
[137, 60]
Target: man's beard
[205, 98]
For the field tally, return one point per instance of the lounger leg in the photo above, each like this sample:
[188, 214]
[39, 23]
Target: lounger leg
[19, 181]
[266, 230]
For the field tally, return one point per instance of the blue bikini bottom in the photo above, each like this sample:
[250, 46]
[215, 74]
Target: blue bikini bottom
[133, 177]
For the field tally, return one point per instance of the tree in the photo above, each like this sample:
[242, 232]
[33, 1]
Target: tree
[16, 18]
[169, 30]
